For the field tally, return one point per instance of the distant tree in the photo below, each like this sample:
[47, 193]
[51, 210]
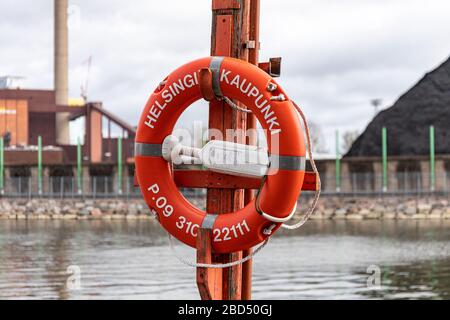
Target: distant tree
[317, 138]
[348, 138]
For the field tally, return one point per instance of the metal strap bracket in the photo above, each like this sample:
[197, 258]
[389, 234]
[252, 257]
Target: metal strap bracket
[147, 149]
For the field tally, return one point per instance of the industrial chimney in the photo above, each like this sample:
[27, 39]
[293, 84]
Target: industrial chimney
[61, 71]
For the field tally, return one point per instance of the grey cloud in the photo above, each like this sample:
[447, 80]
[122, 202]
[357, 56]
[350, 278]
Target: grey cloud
[337, 55]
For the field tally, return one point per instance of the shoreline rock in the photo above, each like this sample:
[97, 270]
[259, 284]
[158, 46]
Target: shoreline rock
[328, 208]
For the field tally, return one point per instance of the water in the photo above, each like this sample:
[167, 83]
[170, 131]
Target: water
[132, 260]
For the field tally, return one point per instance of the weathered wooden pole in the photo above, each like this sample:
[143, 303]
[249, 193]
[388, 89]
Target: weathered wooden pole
[229, 37]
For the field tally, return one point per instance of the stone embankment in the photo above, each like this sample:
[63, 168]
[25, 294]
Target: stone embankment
[328, 208]
[382, 208]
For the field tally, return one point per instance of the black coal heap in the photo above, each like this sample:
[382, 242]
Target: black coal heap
[409, 119]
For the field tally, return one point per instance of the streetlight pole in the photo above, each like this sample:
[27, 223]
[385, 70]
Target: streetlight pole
[376, 103]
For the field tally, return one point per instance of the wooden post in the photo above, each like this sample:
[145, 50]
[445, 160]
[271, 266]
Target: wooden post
[230, 33]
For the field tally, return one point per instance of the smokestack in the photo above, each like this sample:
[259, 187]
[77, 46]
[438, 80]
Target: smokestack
[61, 71]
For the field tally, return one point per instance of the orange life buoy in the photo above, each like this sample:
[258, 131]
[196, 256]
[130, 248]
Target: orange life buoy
[240, 81]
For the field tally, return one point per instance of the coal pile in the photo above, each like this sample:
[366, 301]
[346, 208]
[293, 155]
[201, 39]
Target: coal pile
[409, 119]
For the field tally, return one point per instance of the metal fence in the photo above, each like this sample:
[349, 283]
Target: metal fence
[68, 187]
[399, 183]
[108, 187]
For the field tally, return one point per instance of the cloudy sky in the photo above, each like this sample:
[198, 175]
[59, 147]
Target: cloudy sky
[337, 54]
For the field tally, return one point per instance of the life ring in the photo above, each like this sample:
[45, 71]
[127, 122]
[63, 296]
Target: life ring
[246, 83]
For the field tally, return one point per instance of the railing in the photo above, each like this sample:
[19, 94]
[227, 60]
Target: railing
[67, 187]
[398, 183]
[107, 187]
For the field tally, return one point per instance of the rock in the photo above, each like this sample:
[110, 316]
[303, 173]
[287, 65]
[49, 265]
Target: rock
[69, 216]
[355, 216]
[379, 208]
[21, 209]
[389, 209]
[132, 211]
[364, 212]
[328, 212]
[423, 208]
[79, 205]
[389, 215]
[435, 216]
[6, 206]
[436, 213]
[374, 215]
[419, 216]
[410, 211]
[66, 209]
[83, 212]
[341, 212]
[96, 212]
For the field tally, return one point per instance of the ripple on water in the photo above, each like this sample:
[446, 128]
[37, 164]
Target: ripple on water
[324, 260]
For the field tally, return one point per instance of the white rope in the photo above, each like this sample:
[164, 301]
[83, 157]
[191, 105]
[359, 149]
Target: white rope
[266, 215]
[235, 106]
[302, 221]
[311, 209]
[212, 265]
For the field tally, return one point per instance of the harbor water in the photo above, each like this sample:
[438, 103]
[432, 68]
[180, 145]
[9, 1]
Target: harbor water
[98, 259]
